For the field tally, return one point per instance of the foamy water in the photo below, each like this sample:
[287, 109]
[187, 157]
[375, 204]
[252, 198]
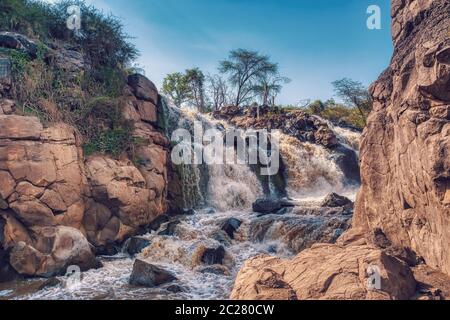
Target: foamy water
[176, 254]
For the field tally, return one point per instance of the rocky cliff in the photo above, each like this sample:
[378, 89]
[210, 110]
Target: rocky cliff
[402, 220]
[58, 207]
[405, 148]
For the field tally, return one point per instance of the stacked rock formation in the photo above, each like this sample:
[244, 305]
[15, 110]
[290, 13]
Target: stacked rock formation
[57, 207]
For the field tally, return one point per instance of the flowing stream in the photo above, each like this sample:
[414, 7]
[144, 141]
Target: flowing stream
[219, 192]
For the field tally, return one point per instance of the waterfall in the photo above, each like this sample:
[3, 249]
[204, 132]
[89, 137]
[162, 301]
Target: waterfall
[309, 168]
[223, 187]
[312, 171]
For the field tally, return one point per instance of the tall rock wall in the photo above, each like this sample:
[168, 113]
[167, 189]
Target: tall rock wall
[55, 204]
[405, 149]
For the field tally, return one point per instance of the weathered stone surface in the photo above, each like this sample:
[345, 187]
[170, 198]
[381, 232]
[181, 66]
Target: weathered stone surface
[147, 111]
[325, 272]
[213, 256]
[18, 41]
[405, 160]
[271, 206]
[148, 275]
[45, 182]
[297, 233]
[143, 88]
[347, 160]
[294, 123]
[7, 185]
[17, 127]
[7, 107]
[56, 249]
[334, 200]
[135, 245]
[121, 187]
[230, 226]
[69, 61]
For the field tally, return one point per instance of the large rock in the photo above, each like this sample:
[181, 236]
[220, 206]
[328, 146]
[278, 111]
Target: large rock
[405, 148]
[271, 206]
[121, 187]
[69, 61]
[17, 127]
[296, 123]
[149, 275]
[135, 245]
[18, 41]
[143, 88]
[334, 200]
[55, 249]
[348, 161]
[325, 272]
[43, 180]
[296, 232]
[230, 226]
[7, 106]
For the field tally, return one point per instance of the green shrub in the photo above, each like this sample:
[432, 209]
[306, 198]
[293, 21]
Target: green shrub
[102, 38]
[19, 61]
[112, 141]
[104, 128]
[105, 81]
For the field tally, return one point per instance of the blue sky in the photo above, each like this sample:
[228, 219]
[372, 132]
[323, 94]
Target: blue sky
[314, 41]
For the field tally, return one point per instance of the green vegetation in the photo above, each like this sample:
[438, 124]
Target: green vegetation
[355, 95]
[246, 71]
[249, 78]
[19, 60]
[336, 113]
[88, 99]
[186, 87]
[245, 76]
[176, 86]
[102, 37]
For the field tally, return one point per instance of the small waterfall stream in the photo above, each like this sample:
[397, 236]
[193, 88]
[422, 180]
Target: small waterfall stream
[219, 192]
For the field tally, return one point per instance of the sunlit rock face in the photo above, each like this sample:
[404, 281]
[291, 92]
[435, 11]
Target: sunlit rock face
[55, 204]
[405, 162]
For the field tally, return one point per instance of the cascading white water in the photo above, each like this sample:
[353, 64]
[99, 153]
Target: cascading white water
[230, 186]
[310, 171]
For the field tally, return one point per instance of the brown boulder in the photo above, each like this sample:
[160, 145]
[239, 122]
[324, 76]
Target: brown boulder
[325, 272]
[147, 111]
[143, 88]
[7, 107]
[55, 250]
[125, 199]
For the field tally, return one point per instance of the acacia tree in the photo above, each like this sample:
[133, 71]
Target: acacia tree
[269, 85]
[244, 68]
[196, 80]
[176, 86]
[355, 94]
[218, 91]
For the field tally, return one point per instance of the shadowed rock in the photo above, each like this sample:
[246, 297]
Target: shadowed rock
[149, 275]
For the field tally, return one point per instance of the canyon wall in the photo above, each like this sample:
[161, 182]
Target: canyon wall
[405, 149]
